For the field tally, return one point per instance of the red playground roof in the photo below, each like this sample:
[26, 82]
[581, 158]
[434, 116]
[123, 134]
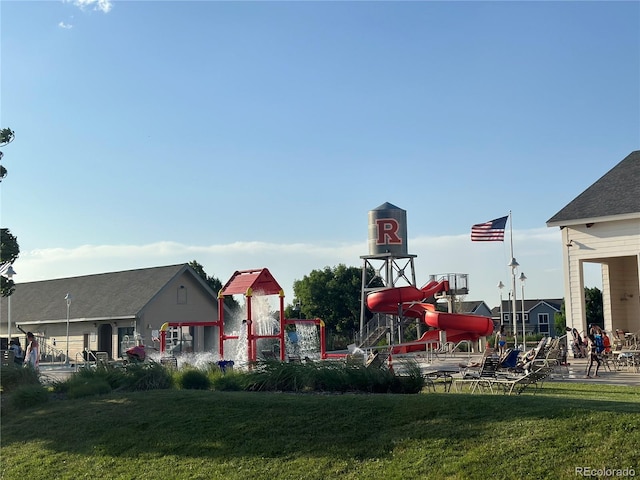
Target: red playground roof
[259, 280]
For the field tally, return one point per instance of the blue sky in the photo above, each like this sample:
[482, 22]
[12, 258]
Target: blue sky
[260, 134]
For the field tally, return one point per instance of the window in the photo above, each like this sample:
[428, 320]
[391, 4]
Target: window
[543, 322]
[178, 340]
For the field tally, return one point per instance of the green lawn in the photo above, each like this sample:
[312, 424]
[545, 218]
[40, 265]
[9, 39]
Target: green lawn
[196, 434]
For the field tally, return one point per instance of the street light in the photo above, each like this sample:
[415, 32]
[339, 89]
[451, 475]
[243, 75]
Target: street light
[67, 297]
[9, 275]
[500, 287]
[524, 342]
[514, 266]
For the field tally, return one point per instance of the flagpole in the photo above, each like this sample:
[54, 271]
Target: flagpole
[514, 265]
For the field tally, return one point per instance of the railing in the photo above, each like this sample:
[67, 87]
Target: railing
[48, 352]
[374, 330]
[89, 358]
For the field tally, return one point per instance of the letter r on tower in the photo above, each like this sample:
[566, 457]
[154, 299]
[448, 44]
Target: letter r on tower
[388, 232]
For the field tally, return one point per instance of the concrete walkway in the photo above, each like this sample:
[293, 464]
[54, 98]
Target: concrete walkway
[577, 369]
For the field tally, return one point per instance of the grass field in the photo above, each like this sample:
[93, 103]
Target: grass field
[204, 434]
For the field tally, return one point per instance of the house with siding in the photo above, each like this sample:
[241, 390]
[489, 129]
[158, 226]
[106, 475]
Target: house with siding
[475, 307]
[539, 315]
[108, 311]
[602, 226]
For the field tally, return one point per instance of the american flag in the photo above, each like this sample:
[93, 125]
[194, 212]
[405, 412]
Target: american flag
[4, 268]
[491, 231]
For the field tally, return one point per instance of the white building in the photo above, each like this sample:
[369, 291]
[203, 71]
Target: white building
[602, 225]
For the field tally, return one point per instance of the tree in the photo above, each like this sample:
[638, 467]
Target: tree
[9, 251]
[560, 321]
[215, 284]
[6, 136]
[332, 294]
[594, 309]
[9, 248]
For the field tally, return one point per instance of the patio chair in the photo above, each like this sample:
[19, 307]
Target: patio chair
[552, 359]
[487, 371]
[534, 378]
[7, 358]
[510, 360]
[473, 367]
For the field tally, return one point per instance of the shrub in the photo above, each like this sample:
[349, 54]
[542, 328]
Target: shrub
[90, 381]
[26, 396]
[332, 377]
[229, 382]
[13, 376]
[88, 387]
[192, 379]
[151, 376]
[410, 382]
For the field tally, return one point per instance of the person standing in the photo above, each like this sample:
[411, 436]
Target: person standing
[501, 341]
[593, 356]
[18, 356]
[32, 354]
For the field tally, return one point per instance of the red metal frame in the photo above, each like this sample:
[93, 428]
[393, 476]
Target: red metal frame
[246, 282]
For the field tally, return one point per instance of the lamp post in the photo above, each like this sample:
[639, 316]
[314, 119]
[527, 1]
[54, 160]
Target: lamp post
[9, 275]
[514, 266]
[523, 278]
[67, 297]
[500, 287]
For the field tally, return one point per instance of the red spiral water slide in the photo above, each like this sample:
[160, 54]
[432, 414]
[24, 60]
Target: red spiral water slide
[408, 301]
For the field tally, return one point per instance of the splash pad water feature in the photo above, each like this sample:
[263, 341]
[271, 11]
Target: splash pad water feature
[260, 332]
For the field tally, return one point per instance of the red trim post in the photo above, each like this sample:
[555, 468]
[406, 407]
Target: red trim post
[221, 325]
[250, 339]
[282, 327]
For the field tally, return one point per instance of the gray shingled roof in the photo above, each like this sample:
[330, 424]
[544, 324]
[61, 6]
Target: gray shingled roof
[617, 192]
[101, 296]
[470, 306]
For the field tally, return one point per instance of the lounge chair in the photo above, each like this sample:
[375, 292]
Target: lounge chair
[510, 360]
[487, 371]
[472, 367]
[509, 385]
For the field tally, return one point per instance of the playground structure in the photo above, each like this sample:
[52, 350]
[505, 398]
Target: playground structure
[393, 303]
[396, 302]
[251, 283]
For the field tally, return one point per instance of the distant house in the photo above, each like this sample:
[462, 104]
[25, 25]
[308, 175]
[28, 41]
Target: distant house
[539, 316]
[477, 307]
[602, 226]
[109, 310]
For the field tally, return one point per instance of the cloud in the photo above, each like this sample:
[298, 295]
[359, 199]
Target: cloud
[66, 26]
[287, 262]
[539, 252]
[104, 6]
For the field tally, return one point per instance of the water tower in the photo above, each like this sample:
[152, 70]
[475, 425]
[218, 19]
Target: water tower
[388, 255]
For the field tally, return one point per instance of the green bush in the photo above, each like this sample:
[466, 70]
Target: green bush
[14, 376]
[192, 379]
[146, 376]
[135, 377]
[331, 377]
[229, 382]
[88, 387]
[26, 396]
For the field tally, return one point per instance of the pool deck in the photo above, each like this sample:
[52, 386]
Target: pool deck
[574, 371]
